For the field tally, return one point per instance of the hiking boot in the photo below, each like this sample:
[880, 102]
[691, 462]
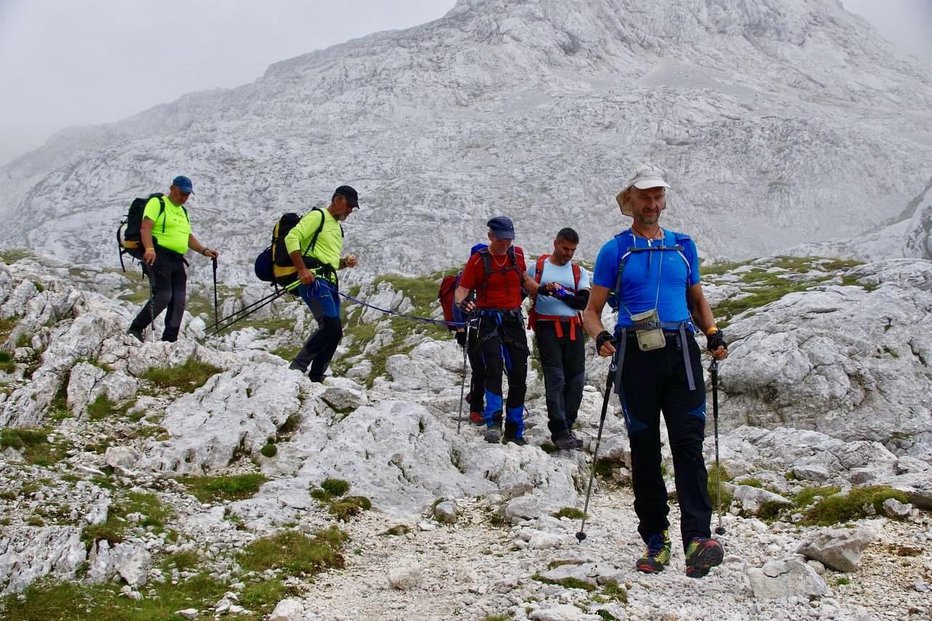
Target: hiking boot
[294, 366]
[137, 334]
[702, 554]
[518, 441]
[493, 435]
[657, 555]
[476, 418]
[317, 379]
[565, 443]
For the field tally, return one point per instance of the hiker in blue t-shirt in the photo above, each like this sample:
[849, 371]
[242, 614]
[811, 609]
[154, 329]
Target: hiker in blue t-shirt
[554, 317]
[654, 275]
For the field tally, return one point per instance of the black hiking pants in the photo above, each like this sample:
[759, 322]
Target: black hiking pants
[168, 287]
[563, 361]
[476, 396]
[651, 382]
[503, 343]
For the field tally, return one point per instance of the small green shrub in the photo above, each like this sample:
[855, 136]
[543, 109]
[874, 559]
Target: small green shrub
[270, 449]
[7, 363]
[335, 487]
[222, 488]
[345, 508]
[186, 378]
[397, 530]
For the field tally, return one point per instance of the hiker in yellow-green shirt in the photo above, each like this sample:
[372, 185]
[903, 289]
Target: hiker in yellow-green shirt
[315, 246]
[166, 236]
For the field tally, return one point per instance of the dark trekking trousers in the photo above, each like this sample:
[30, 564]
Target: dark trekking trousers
[653, 381]
[563, 362]
[476, 396]
[503, 343]
[168, 283]
[324, 301]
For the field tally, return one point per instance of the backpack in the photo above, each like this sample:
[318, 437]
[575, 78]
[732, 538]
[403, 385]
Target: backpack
[626, 247]
[538, 273]
[452, 314]
[273, 265]
[128, 233]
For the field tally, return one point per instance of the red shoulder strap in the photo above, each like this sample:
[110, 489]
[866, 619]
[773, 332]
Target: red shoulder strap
[540, 267]
[577, 274]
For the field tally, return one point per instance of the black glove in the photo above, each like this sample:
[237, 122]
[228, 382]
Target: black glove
[461, 339]
[603, 337]
[715, 340]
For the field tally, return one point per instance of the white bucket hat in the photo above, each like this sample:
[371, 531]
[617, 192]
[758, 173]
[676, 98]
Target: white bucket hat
[645, 176]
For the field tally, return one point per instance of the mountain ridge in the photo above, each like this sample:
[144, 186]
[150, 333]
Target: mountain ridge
[533, 109]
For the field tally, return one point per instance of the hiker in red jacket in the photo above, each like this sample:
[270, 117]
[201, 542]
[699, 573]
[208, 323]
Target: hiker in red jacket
[497, 275]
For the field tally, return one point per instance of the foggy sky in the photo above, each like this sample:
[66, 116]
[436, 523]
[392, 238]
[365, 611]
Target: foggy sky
[77, 62]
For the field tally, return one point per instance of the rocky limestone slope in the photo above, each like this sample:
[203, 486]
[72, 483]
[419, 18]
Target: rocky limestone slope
[475, 532]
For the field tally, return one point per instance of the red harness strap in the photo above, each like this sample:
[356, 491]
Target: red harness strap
[559, 320]
[534, 316]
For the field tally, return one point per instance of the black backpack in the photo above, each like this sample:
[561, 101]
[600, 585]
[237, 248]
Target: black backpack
[128, 235]
[274, 263]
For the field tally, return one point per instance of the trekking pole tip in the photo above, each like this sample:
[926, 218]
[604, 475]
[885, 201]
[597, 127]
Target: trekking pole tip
[720, 530]
[580, 536]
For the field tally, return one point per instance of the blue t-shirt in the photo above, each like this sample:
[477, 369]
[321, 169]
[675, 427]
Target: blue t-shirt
[653, 278]
[563, 274]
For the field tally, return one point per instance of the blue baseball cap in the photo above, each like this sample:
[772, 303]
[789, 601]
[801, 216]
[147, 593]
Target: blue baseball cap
[501, 227]
[184, 184]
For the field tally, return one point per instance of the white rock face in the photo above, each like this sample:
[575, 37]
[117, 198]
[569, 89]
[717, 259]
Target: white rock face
[32, 553]
[236, 410]
[841, 359]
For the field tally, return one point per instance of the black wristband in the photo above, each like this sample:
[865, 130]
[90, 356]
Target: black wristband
[603, 337]
[715, 340]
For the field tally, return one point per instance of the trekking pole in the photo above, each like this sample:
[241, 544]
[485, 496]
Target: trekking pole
[713, 371]
[581, 535]
[216, 311]
[236, 317]
[459, 420]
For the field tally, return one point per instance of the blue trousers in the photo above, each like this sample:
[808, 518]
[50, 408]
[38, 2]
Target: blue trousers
[324, 301]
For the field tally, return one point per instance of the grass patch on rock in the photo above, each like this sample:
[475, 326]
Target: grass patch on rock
[185, 378]
[223, 488]
[331, 494]
[33, 444]
[295, 552]
[146, 508]
[858, 503]
[569, 512]
[68, 601]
